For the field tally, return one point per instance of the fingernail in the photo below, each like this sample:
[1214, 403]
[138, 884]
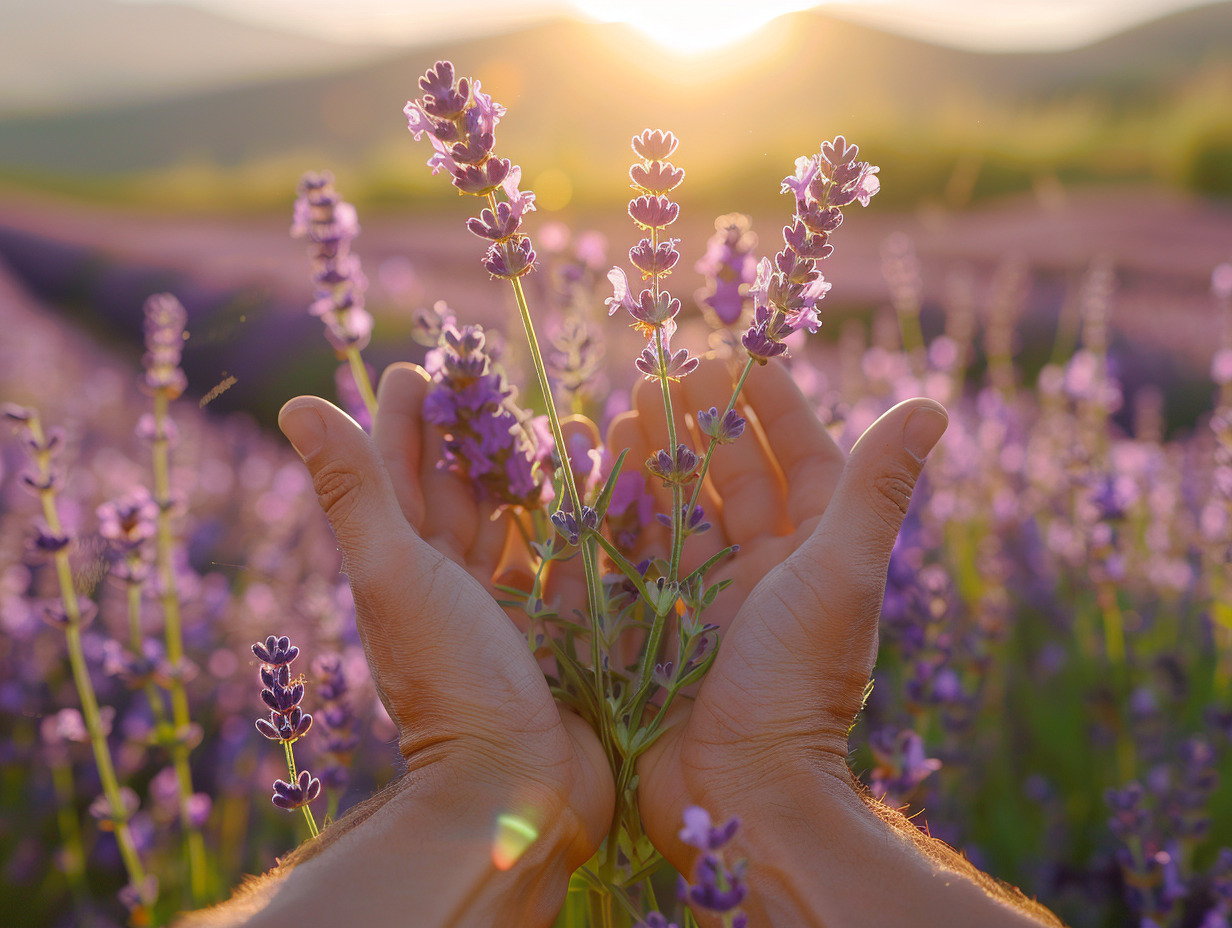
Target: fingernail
[923, 429]
[305, 429]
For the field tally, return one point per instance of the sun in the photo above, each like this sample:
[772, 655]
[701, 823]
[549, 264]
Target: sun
[692, 26]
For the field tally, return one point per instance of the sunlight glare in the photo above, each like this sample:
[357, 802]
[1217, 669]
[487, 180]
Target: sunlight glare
[691, 26]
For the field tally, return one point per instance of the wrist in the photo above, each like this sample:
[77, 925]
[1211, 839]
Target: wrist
[446, 846]
[819, 853]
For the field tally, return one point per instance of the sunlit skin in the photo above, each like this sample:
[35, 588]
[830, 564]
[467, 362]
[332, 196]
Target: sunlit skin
[486, 746]
[766, 685]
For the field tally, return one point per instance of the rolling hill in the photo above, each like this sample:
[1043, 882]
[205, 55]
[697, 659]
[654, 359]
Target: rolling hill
[803, 76]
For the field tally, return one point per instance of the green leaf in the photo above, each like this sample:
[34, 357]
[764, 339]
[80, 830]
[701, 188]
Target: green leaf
[605, 494]
[701, 571]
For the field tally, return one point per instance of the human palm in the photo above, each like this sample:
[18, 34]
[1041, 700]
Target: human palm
[799, 618]
[468, 698]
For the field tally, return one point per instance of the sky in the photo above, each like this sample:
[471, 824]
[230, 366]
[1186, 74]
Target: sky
[697, 25]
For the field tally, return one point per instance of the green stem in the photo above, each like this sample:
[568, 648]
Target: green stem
[596, 883]
[360, 373]
[174, 639]
[136, 642]
[81, 677]
[589, 559]
[701, 475]
[70, 833]
[294, 774]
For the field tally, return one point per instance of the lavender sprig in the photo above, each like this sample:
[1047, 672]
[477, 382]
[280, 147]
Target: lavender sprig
[460, 123]
[287, 723]
[44, 483]
[654, 310]
[716, 886]
[338, 724]
[165, 333]
[729, 268]
[330, 225]
[487, 437]
[786, 291]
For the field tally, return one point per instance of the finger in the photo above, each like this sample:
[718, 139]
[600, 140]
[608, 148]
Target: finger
[397, 432]
[581, 436]
[836, 579]
[516, 567]
[450, 508]
[807, 456]
[652, 419]
[652, 416]
[381, 554]
[745, 478]
[487, 542]
[626, 432]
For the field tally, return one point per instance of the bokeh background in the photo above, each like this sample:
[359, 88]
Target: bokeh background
[150, 146]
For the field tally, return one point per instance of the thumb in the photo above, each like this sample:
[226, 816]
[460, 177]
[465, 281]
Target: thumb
[846, 559]
[348, 476]
[874, 490]
[381, 555]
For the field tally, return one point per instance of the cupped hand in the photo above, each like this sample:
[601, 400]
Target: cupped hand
[800, 619]
[471, 704]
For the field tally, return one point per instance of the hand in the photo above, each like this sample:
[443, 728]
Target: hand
[472, 706]
[800, 618]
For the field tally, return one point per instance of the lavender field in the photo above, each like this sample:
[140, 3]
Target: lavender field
[1053, 691]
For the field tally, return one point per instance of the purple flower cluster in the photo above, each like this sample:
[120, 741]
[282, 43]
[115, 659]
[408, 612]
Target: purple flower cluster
[460, 122]
[729, 268]
[674, 469]
[301, 791]
[901, 765]
[716, 886]
[788, 289]
[487, 438]
[1220, 913]
[287, 721]
[653, 310]
[165, 320]
[128, 523]
[339, 726]
[629, 511]
[1159, 822]
[330, 225]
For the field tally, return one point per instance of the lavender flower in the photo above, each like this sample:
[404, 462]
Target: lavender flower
[129, 521]
[330, 225]
[715, 886]
[1220, 913]
[629, 511]
[487, 437]
[570, 526]
[692, 522]
[901, 764]
[722, 429]
[287, 723]
[575, 360]
[787, 290]
[673, 469]
[729, 268]
[165, 320]
[700, 832]
[460, 122]
[653, 310]
[297, 794]
[338, 722]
